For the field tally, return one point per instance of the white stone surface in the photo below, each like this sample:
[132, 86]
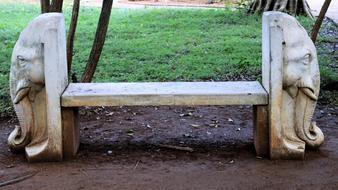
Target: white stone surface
[291, 76]
[164, 93]
[38, 77]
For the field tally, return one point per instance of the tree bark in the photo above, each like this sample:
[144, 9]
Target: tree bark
[71, 34]
[56, 6]
[293, 7]
[319, 20]
[44, 6]
[99, 40]
[48, 6]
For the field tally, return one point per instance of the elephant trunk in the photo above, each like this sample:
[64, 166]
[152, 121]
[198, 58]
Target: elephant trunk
[21, 135]
[22, 90]
[305, 128]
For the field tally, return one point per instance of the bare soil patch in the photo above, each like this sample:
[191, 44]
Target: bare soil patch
[121, 148]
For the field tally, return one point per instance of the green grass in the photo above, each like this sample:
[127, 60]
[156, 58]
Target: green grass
[155, 45]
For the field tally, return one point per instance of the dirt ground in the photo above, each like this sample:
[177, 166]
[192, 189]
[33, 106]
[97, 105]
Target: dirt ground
[123, 148]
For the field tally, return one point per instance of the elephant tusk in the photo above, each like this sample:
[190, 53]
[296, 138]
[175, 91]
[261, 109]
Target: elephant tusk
[21, 94]
[309, 93]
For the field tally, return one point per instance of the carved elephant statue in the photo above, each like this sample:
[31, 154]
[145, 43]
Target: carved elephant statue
[40, 51]
[26, 81]
[301, 81]
[293, 83]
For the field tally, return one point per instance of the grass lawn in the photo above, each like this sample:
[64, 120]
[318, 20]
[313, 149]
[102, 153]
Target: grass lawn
[156, 45]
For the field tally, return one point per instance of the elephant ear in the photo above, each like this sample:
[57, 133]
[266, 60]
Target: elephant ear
[315, 74]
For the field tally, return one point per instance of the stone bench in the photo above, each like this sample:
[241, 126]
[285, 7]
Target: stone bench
[164, 94]
[46, 104]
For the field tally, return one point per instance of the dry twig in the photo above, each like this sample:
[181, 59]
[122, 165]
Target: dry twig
[17, 180]
[188, 149]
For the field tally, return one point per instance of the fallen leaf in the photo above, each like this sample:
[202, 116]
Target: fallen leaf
[186, 114]
[130, 132]
[110, 114]
[213, 125]
[195, 125]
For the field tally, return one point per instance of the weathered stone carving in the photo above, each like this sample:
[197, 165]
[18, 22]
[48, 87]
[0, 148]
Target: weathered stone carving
[301, 83]
[293, 82]
[38, 53]
[26, 82]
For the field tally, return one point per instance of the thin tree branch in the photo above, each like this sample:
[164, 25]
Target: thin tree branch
[99, 40]
[71, 34]
[319, 20]
[17, 180]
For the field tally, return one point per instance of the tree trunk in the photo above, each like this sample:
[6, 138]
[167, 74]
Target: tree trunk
[319, 20]
[292, 7]
[71, 34]
[99, 40]
[56, 6]
[44, 6]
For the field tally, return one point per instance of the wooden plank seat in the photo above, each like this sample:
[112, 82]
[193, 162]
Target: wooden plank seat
[164, 93]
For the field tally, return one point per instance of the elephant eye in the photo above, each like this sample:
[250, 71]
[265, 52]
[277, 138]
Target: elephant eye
[21, 60]
[306, 59]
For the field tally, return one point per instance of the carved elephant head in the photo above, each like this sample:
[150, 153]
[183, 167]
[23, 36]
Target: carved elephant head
[301, 80]
[27, 63]
[26, 80]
